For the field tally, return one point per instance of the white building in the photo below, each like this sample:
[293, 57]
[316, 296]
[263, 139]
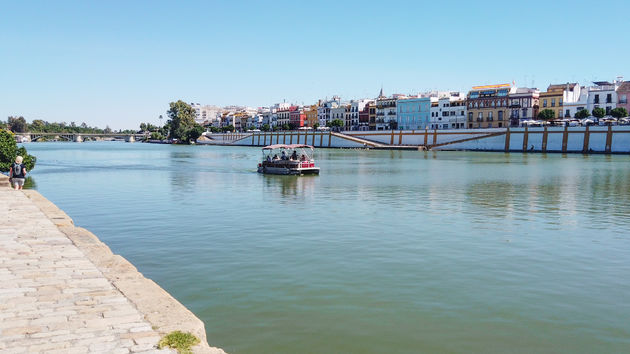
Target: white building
[338, 112]
[352, 114]
[603, 95]
[448, 110]
[197, 108]
[323, 111]
[386, 113]
[209, 115]
[575, 99]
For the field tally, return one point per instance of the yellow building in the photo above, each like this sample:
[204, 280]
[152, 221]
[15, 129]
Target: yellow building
[552, 99]
[311, 115]
[488, 106]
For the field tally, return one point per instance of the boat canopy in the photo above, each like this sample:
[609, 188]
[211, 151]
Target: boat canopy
[287, 146]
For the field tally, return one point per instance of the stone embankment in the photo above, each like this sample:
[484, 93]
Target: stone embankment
[64, 291]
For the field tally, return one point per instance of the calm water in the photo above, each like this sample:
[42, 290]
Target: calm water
[384, 252]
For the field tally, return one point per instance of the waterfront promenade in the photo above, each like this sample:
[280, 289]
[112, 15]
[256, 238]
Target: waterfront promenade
[63, 291]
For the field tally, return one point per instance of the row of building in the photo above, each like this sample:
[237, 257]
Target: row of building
[489, 106]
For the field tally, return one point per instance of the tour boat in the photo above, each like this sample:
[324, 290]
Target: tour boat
[281, 159]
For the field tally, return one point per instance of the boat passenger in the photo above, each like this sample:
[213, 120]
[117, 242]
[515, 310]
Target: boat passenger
[268, 158]
[284, 155]
[303, 157]
[294, 156]
[275, 157]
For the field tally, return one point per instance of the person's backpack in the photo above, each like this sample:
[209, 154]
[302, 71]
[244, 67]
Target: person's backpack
[17, 170]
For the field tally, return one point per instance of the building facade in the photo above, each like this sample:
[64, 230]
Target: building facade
[623, 92]
[412, 113]
[602, 95]
[488, 106]
[297, 117]
[311, 115]
[523, 105]
[284, 116]
[372, 116]
[386, 113]
[324, 109]
[448, 111]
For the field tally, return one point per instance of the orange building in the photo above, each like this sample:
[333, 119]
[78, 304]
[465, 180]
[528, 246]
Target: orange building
[311, 115]
[488, 106]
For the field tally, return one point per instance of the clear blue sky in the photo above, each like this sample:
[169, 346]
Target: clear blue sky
[122, 62]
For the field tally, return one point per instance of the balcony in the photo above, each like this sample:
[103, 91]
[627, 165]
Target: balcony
[479, 119]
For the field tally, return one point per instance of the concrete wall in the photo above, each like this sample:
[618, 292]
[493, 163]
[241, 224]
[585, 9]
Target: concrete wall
[558, 139]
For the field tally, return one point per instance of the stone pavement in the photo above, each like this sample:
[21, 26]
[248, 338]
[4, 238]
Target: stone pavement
[55, 299]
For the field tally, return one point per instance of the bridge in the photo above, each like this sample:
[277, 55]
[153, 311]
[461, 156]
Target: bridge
[79, 137]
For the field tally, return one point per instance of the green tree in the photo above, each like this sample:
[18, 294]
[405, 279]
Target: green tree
[182, 119]
[546, 114]
[315, 126]
[285, 127]
[265, 127]
[38, 125]
[9, 150]
[17, 124]
[582, 114]
[619, 112]
[194, 133]
[143, 126]
[228, 128]
[599, 112]
[338, 123]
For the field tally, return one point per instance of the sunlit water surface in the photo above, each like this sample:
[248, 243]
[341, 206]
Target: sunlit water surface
[384, 252]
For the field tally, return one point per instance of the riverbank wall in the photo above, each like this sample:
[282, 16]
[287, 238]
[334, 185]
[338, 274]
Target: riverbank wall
[589, 139]
[62, 289]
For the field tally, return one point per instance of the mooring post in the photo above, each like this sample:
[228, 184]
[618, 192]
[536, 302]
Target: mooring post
[587, 136]
[507, 139]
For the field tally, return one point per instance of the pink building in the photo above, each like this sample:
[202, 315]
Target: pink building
[623, 92]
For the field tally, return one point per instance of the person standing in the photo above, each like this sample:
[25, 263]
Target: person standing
[17, 172]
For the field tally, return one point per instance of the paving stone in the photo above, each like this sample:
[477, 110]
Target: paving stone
[53, 299]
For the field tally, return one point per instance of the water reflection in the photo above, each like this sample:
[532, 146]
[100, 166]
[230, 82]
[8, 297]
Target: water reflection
[296, 187]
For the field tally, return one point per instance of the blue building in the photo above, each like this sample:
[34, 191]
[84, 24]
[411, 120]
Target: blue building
[413, 113]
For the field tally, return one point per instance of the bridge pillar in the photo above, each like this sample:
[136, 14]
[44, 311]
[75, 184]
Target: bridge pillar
[130, 139]
[78, 138]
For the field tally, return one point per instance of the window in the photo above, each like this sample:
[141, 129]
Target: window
[501, 115]
[544, 103]
[596, 99]
[489, 116]
[470, 116]
[609, 98]
[524, 112]
[623, 99]
[553, 102]
[608, 110]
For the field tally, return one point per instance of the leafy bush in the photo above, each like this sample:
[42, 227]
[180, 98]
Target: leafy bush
[9, 150]
[180, 341]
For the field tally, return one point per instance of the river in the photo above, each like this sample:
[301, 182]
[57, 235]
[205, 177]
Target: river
[384, 252]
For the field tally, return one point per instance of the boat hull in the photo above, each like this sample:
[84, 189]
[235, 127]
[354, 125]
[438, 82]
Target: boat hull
[297, 171]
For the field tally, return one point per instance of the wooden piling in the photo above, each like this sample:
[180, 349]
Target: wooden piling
[525, 138]
[507, 140]
[609, 135]
[544, 141]
[565, 138]
[587, 136]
